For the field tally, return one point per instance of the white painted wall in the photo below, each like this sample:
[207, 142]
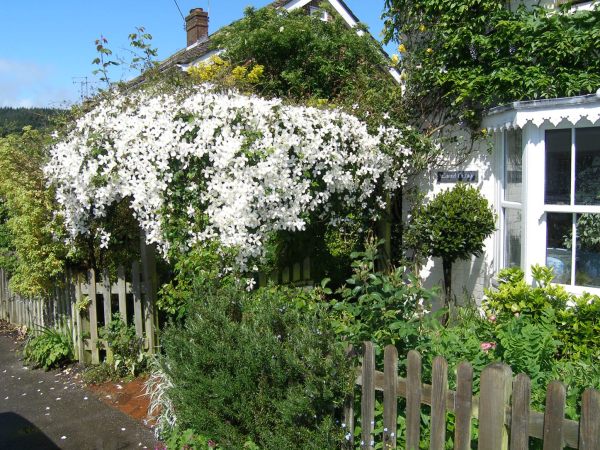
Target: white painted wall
[469, 278]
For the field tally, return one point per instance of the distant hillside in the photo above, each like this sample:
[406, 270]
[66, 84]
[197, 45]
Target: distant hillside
[12, 120]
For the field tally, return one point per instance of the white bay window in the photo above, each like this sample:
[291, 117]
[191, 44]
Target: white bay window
[548, 180]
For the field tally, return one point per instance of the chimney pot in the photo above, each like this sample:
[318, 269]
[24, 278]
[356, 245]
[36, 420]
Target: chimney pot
[196, 25]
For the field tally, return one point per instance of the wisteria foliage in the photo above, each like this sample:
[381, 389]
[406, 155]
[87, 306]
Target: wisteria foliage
[266, 166]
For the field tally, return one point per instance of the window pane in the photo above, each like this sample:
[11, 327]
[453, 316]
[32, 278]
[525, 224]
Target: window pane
[587, 166]
[587, 261]
[512, 237]
[558, 167]
[558, 245]
[513, 166]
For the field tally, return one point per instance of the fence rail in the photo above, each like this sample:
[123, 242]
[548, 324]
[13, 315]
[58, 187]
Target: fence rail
[502, 408]
[132, 294]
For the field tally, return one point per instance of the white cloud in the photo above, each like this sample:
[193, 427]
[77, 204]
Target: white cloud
[25, 83]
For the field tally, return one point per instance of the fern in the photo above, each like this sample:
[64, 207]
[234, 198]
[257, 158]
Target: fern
[528, 345]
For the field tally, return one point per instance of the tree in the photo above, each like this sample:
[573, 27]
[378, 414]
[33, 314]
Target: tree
[31, 247]
[452, 226]
[13, 120]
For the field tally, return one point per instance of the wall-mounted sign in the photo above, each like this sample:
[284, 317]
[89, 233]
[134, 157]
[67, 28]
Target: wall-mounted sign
[454, 176]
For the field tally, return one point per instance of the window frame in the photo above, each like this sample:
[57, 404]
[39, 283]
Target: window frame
[534, 209]
[572, 208]
[508, 204]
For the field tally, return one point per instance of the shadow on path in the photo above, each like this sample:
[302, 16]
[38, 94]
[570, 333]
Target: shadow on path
[43, 410]
[18, 432]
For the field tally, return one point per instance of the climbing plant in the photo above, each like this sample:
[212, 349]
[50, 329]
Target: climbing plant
[460, 57]
[199, 165]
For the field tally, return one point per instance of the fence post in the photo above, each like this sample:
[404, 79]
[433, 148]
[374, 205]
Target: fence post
[77, 314]
[413, 401]
[390, 396]
[93, 318]
[136, 290]
[439, 389]
[348, 424]
[122, 291]
[589, 428]
[306, 269]
[367, 407]
[554, 416]
[151, 286]
[463, 406]
[496, 387]
[519, 425]
[107, 308]
[40, 312]
[285, 275]
[70, 283]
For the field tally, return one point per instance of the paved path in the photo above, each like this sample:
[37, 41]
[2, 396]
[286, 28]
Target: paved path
[41, 410]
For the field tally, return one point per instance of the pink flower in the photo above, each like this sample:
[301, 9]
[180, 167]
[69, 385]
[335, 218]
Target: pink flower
[487, 346]
[211, 443]
[492, 318]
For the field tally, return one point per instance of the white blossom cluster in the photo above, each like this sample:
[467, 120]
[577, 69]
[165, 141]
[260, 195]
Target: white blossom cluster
[266, 165]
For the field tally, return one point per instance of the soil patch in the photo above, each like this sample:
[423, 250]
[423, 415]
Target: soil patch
[127, 396]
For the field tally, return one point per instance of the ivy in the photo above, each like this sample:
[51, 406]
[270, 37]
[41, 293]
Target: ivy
[460, 57]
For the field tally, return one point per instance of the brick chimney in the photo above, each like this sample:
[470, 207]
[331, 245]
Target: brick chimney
[196, 25]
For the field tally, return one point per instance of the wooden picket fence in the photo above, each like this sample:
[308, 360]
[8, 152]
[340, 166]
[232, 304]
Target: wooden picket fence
[505, 420]
[133, 295]
[34, 313]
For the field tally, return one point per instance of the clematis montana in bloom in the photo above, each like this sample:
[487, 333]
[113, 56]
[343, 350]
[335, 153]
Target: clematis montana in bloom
[266, 166]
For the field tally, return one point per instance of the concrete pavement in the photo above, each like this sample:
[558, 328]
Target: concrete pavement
[42, 410]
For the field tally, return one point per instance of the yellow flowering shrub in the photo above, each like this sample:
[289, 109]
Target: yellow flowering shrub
[216, 69]
[211, 70]
[256, 73]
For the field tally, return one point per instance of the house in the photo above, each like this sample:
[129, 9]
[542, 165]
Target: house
[540, 177]
[200, 49]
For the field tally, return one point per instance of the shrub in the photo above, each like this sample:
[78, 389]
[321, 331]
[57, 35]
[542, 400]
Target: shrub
[49, 349]
[576, 320]
[579, 327]
[386, 308]
[262, 367]
[452, 226]
[128, 357]
[32, 246]
[459, 340]
[529, 346]
[100, 373]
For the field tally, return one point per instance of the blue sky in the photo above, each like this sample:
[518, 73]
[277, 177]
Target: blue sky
[45, 44]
